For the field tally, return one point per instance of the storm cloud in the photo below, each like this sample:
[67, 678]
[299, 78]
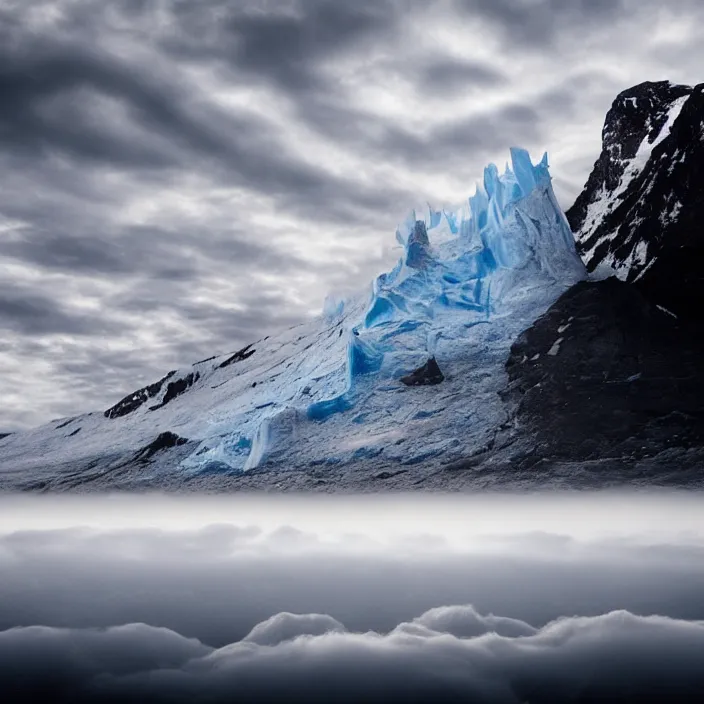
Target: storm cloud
[180, 179]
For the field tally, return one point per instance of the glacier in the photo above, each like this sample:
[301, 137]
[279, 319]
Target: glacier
[508, 250]
[329, 392]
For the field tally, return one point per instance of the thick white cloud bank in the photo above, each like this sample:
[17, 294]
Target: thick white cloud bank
[484, 599]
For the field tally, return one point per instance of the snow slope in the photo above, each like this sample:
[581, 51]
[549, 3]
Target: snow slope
[328, 392]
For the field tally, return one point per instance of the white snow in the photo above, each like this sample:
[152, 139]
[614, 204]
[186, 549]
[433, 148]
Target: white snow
[665, 310]
[637, 258]
[647, 266]
[674, 113]
[555, 349]
[671, 214]
[603, 270]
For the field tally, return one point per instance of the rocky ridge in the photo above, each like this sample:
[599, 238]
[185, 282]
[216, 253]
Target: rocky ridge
[642, 209]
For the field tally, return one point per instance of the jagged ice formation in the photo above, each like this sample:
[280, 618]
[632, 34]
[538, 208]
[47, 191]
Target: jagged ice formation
[329, 391]
[459, 270]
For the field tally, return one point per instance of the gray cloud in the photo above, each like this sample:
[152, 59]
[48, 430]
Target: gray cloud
[174, 599]
[152, 251]
[286, 626]
[543, 22]
[465, 622]
[287, 47]
[480, 134]
[616, 657]
[446, 76]
[217, 582]
[55, 97]
[182, 178]
[24, 311]
[49, 104]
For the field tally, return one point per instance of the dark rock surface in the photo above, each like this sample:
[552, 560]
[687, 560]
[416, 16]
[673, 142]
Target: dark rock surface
[417, 248]
[163, 441]
[427, 375]
[653, 229]
[176, 388]
[636, 114]
[238, 356]
[606, 374]
[134, 400]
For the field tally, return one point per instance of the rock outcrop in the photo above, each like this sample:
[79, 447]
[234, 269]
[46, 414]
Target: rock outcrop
[642, 209]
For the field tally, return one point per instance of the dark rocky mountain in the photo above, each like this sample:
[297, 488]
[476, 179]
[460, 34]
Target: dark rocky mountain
[612, 385]
[642, 209]
[610, 381]
[607, 387]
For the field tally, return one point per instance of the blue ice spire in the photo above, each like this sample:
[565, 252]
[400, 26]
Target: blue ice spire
[417, 254]
[514, 242]
[523, 170]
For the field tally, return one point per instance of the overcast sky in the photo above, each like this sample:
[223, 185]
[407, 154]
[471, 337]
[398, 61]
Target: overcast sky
[178, 178]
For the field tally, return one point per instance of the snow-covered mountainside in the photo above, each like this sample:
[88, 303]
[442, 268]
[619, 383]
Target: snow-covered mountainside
[483, 359]
[405, 375]
[642, 209]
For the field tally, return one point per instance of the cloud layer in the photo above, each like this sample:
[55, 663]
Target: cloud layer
[615, 657]
[180, 178]
[489, 599]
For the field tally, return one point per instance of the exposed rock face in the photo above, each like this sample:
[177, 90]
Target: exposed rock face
[427, 375]
[176, 388]
[418, 243]
[134, 400]
[606, 374]
[636, 115]
[163, 442]
[642, 209]
[239, 356]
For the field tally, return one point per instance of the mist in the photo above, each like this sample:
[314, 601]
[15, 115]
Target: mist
[497, 596]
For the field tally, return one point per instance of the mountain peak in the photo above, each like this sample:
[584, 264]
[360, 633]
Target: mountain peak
[633, 123]
[639, 208]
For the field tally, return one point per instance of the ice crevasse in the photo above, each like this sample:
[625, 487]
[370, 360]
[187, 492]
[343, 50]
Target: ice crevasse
[467, 282]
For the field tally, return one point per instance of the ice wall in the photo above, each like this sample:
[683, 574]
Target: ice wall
[460, 268]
